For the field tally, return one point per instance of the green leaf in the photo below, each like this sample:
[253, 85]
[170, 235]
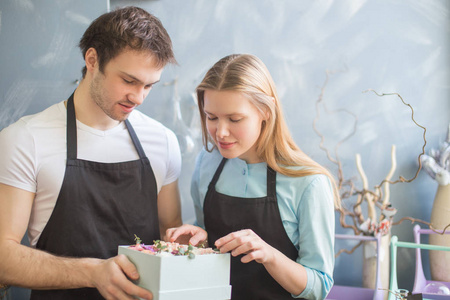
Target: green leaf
[137, 239]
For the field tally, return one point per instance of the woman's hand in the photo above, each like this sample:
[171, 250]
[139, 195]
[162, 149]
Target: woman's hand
[187, 234]
[249, 243]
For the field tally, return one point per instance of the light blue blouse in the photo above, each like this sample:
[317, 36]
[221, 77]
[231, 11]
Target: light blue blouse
[305, 204]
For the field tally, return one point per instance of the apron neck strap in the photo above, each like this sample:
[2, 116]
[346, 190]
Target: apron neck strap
[271, 179]
[271, 183]
[71, 135]
[213, 182]
[134, 138]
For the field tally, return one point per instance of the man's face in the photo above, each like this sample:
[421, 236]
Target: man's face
[124, 83]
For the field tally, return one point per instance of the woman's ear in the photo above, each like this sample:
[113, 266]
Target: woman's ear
[267, 114]
[91, 59]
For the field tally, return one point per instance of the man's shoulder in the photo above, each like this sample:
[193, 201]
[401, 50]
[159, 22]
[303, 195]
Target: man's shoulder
[139, 119]
[50, 117]
[150, 130]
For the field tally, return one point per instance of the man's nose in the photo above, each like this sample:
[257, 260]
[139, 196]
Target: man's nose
[137, 95]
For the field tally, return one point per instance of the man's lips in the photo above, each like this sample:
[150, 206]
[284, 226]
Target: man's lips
[127, 108]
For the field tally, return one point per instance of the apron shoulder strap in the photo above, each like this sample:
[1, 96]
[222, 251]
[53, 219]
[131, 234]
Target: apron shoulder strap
[271, 183]
[71, 129]
[71, 132]
[213, 182]
[135, 139]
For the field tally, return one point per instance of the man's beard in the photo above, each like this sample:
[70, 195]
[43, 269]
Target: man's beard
[97, 95]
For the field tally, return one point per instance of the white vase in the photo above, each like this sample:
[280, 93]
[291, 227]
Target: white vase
[370, 264]
[440, 217]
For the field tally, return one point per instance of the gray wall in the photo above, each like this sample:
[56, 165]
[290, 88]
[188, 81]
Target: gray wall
[391, 46]
[39, 58]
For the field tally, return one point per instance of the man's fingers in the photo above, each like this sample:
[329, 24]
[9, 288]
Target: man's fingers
[127, 267]
[129, 288]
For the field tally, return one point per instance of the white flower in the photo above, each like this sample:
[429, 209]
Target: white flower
[437, 163]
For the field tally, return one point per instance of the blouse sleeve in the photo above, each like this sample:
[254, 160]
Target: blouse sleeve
[195, 191]
[316, 237]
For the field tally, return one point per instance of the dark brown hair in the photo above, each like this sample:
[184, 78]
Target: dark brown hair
[128, 27]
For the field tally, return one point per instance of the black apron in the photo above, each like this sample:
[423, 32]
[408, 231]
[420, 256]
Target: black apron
[225, 214]
[100, 206]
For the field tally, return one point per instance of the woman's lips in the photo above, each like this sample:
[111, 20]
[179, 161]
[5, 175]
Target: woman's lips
[224, 145]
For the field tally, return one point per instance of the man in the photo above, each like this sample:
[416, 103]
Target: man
[88, 173]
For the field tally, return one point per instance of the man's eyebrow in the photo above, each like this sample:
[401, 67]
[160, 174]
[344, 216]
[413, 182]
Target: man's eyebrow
[137, 79]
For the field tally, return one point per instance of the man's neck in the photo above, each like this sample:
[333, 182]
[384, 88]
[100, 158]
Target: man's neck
[88, 112]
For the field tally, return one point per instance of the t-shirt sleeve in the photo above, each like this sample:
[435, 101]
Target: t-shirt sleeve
[173, 158]
[17, 158]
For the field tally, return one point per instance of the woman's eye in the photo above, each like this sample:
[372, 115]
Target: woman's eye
[235, 120]
[211, 118]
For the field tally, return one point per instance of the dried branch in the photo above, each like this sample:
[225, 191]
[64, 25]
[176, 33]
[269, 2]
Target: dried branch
[348, 251]
[401, 178]
[322, 138]
[369, 198]
[413, 220]
[389, 176]
[378, 198]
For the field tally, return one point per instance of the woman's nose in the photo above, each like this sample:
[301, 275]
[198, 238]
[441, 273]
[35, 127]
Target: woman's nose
[222, 130]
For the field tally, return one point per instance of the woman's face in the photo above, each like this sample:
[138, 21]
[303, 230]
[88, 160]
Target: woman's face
[234, 124]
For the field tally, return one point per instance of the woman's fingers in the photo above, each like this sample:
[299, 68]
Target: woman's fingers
[245, 242]
[187, 234]
[242, 239]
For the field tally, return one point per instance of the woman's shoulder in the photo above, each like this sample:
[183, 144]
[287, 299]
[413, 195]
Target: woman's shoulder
[206, 164]
[313, 183]
[305, 179]
[206, 157]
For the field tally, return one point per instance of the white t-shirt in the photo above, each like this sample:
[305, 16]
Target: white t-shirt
[33, 155]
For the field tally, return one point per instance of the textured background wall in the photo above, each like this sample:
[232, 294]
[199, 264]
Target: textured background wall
[390, 46]
[39, 59]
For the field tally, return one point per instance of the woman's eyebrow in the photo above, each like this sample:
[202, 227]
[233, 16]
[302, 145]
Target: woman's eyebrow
[227, 115]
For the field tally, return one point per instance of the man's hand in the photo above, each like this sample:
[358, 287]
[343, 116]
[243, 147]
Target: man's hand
[110, 278]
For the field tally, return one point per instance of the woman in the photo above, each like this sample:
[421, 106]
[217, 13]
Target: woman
[256, 193]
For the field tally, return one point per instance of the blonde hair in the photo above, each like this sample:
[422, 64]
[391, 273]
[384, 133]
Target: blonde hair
[247, 74]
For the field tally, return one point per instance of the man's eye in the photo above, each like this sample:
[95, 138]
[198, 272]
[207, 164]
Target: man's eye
[127, 81]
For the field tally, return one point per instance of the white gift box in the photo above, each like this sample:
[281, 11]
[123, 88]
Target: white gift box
[204, 277]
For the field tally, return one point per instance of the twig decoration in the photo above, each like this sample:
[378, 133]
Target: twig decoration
[378, 198]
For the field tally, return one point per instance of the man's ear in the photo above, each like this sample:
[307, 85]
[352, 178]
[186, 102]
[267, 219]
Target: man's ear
[91, 59]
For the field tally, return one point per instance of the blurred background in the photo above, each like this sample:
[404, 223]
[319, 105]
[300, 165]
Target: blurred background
[326, 50]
